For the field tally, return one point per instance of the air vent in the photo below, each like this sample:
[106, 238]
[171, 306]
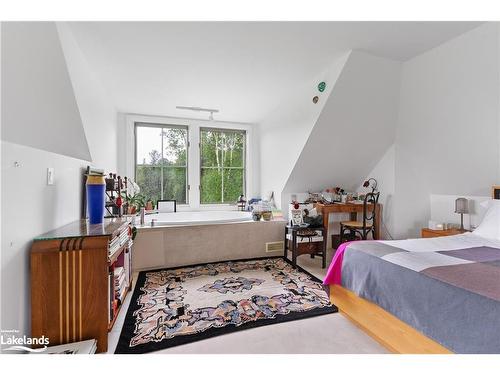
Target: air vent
[275, 246]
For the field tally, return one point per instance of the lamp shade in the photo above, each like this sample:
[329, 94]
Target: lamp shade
[461, 206]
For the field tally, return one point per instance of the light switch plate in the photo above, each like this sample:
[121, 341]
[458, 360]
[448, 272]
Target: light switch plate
[50, 176]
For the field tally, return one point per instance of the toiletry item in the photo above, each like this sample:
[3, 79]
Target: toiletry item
[143, 213]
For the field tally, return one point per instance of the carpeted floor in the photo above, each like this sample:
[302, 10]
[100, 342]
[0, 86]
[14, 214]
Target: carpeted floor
[171, 307]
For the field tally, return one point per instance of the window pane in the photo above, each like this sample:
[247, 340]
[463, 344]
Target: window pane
[211, 186]
[234, 154]
[175, 147]
[148, 145]
[174, 184]
[222, 148]
[233, 184]
[149, 180]
[210, 153]
[161, 146]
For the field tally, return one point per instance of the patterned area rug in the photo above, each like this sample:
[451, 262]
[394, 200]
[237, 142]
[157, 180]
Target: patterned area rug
[171, 307]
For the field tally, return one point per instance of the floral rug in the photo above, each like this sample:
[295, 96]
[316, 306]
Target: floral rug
[171, 307]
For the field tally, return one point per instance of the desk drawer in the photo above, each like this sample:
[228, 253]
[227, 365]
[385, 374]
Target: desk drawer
[350, 208]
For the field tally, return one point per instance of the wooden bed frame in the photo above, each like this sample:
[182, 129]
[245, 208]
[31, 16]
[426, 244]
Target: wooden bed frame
[389, 331]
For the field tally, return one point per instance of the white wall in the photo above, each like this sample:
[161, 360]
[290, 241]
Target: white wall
[29, 147]
[447, 138]
[284, 132]
[97, 112]
[384, 173]
[443, 209]
[355, 128]
[30, 208]
[38, 102]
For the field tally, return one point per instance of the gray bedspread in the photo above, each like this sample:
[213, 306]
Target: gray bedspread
[450, 303]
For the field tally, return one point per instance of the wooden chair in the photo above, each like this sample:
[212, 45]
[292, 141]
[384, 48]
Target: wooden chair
[361, 228]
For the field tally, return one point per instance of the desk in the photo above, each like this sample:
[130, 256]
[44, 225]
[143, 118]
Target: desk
[353, 209]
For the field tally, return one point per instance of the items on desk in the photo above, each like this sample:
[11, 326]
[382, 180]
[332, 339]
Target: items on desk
[296, 217]
[304, 214]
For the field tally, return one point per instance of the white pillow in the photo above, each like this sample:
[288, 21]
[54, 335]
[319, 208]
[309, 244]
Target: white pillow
[490, 226]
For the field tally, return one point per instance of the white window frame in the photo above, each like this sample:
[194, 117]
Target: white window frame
[163, 126]
[193, 125]
[202, 128]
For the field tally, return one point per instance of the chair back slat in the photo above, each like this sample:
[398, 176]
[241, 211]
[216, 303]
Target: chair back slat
[370, 208]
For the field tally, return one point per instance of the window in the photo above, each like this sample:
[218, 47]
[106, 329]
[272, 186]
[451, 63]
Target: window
[222, 165]
[161, 161]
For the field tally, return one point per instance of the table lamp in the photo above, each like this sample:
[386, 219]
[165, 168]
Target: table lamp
[461, 207]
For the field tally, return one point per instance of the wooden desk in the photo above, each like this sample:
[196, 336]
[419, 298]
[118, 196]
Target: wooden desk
[353, 209]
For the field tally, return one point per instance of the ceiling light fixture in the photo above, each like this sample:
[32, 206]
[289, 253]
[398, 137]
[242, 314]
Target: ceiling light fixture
[200, 109]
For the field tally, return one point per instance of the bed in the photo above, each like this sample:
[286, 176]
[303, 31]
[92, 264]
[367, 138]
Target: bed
[432, 295]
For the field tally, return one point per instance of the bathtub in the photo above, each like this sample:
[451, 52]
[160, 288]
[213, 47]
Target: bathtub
[195, 237]
[196, 218]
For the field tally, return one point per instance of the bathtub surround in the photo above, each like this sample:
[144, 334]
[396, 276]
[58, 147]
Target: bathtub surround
[174, 246]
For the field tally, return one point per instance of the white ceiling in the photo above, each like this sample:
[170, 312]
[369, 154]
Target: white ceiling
[245, 69]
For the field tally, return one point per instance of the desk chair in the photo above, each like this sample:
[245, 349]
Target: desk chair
[361, 228]
[166, 205]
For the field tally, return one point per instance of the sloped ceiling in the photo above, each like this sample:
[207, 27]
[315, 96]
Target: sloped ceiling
[285, 131]
[245, 69]
[355, 128]
[38, 104]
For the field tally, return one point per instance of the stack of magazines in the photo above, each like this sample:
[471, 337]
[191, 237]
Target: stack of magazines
[120, 283]
[81, 347]
[118, 242]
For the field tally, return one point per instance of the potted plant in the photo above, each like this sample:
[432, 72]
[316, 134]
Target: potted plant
[133, 202]
[149, 205]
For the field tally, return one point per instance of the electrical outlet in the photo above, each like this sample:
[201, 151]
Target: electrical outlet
[50, 176]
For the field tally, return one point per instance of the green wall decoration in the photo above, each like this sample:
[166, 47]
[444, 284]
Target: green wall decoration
[321, 86]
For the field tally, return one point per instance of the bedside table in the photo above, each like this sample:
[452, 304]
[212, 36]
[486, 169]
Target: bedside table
[428, 233]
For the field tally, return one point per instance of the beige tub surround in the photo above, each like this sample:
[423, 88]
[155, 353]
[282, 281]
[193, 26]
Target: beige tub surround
[173, 246]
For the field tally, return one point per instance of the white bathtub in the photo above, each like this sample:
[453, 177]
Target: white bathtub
[196, 218]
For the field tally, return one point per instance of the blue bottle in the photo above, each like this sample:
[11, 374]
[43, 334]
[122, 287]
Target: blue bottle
[96, 186]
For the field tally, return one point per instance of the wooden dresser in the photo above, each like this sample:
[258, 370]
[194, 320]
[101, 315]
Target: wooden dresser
[72, 280]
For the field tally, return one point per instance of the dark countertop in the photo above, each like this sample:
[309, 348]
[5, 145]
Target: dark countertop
[81, 228]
